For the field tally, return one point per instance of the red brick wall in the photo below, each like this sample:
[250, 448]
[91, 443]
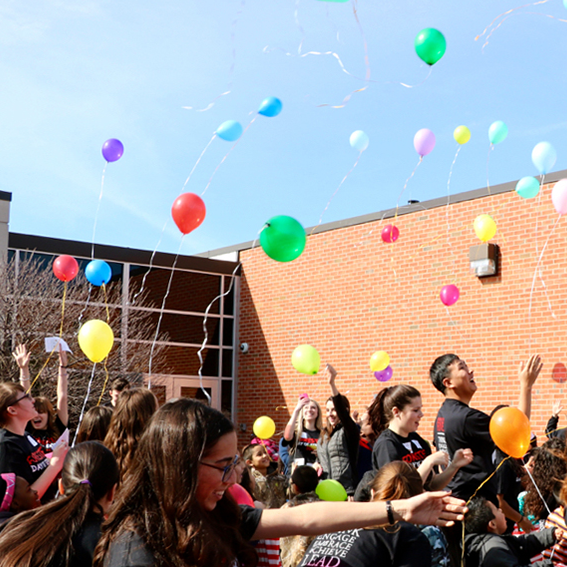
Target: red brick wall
[349, 294]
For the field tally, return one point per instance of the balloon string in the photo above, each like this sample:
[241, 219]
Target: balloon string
[84, 405]
[538, 490]
[151, 264]
[487, 164]
[447, 208]
[538, 207]
[197, 162]
[86, 305]
[105, 381]
[106, 303]
[533, 285]
[418, 84]
[405, 186]
[227, 154]
[298, 24]
[336, 191]
[364, 42]
[232, 66]
[161, 311]
[345, 100]
[97, 210]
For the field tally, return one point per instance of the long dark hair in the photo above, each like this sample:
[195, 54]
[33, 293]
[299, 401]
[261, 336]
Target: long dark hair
[131, 415]
[329, 429]
[43, 536]
[159, 501]
[94, 426]
[380, 411]
[9, 393]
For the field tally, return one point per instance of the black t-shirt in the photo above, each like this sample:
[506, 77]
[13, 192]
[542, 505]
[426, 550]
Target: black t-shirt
[129, 550]
[459, 426]
[45, 438]
[509, 485]
[306, 446]
[390, 446]
[21, 454]
[402, 545]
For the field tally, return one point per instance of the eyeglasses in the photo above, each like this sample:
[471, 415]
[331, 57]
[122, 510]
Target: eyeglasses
[226, 471]
[28, 396]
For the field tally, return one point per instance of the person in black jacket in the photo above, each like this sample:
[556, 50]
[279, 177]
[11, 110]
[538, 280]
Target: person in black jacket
[486, 546]
[551, 429]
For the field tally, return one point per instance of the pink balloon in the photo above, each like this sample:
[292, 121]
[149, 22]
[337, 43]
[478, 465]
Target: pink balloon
[424, 141]
[559, 196]
[390, 233]
[449, 294]
[240, 495]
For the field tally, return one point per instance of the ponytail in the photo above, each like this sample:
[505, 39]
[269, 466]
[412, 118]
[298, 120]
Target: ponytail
[380, 411]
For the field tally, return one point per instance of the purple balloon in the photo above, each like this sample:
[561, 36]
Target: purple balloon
[424, 141]
[449, 294]
[384, 375]
[112, 150]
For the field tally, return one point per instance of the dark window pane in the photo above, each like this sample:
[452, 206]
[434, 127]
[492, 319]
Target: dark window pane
[189, 291]
[227, 363]
[229, 297]
[226, 398]
[185, 328]
[196, 393]
[227, 332]
[184, 360]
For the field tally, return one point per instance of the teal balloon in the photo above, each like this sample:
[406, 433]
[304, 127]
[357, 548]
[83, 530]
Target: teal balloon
[230, 131]
[430, 45]
[544, 157]
[283, 238]
[331, 491]
[527, 187]
[270, 107]
[497, 132]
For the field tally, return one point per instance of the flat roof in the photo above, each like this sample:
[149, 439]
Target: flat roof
[402, 210]
[118, 254]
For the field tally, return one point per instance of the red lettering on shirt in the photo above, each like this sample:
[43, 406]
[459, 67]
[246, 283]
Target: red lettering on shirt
[441, 424]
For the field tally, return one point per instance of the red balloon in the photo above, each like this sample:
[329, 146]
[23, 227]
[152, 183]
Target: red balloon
[390, 233]
[188, 212]
[65, 268]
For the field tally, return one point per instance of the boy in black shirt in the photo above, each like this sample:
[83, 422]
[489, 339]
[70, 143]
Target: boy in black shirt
[459, 426]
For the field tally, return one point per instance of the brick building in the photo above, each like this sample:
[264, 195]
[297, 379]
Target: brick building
[349, 295]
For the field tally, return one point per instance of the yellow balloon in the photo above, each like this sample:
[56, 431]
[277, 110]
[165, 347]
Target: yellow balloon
[264, 427]
[462, 134]
[484, 227]
[96, 339]
[379, 361]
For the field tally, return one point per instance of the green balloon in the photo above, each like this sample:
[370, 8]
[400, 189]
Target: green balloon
[527, 187]
[283, 239]
[430, 45]
[331, 491]
[306, 359]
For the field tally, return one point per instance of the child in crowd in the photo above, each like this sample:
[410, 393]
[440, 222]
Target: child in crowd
[337, 448]
[49, 424]
[269, 488]
[459, 426]
[95, 424]
[16, 495]
[486, 546]
[66, 531]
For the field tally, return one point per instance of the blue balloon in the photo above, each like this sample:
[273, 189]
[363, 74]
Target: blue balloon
[230, 130]
[497, 132]
[98, 272]
[527, 187]
[270, 107]
[544, 157]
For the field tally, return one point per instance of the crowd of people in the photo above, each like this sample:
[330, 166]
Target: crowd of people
[152, 486]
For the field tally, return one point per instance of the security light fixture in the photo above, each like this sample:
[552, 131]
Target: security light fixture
[484, 260]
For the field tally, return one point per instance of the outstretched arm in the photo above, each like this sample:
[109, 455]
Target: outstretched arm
[528, 375]
[290, 427]
[438, 508]
[22, 358]
[62, 398]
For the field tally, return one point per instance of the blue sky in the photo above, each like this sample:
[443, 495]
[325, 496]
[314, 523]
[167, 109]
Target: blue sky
[74, 74]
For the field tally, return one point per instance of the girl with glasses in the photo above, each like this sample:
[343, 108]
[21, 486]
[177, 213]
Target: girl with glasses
[173, 508]
[20, 453]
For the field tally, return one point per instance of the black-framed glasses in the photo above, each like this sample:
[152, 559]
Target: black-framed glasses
[226, 471]
[28, 396]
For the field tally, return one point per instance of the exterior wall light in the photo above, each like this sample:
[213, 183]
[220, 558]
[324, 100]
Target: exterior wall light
[484, 260]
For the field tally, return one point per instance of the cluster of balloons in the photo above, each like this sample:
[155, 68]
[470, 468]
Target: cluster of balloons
[430, 45]
[306, 359]
[511, 431]
[449, 295]
[283, 238]
[112, 150]
[188, 212]
[264, 427]
[424, 141]
[484, 227]
[390, 234]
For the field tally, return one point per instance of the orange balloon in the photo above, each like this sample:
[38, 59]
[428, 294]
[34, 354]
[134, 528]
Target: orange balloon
[511, 431]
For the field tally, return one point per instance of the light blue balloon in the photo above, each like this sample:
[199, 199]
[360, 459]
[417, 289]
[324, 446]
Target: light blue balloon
[497, 132]
[527, 187]
[98, 272]
[544, 157]
[359, 140]
[270, 107]
[565, 3]
[230, 130]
